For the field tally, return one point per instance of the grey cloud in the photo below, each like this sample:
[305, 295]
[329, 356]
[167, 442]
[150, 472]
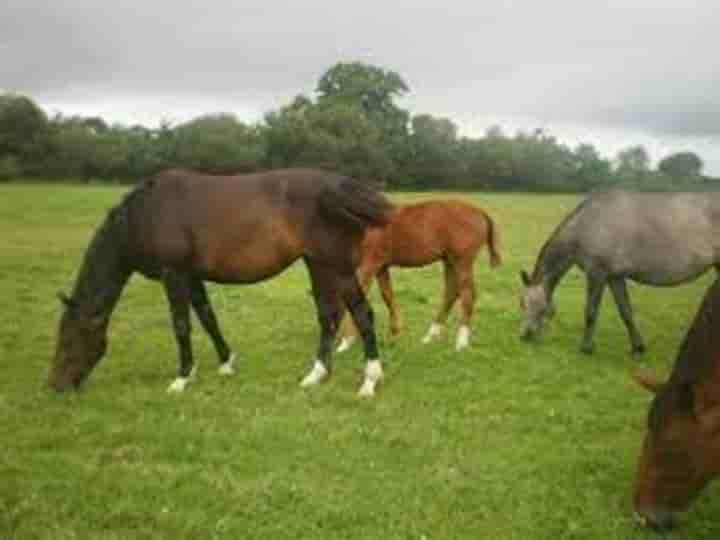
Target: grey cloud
[644, 65]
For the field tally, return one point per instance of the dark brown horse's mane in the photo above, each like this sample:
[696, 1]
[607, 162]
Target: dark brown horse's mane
[693, 362]
[354, 203]
[102, 267]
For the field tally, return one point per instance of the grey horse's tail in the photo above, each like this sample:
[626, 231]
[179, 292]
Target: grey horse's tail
[493, 242]
[354, 204]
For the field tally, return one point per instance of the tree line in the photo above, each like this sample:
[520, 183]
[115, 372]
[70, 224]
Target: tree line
[352, 124]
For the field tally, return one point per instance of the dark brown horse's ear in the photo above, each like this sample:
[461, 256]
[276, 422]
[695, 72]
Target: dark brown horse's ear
[710, 419]
[648, 380]
[67, 301]
[525, 278]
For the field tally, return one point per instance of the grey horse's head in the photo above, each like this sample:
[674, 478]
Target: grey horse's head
[537, 305]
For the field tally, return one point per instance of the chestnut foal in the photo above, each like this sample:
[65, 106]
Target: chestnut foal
[419, 234]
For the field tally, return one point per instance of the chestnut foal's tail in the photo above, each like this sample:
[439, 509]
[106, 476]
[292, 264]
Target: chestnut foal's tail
[493, 242]
[354, 204]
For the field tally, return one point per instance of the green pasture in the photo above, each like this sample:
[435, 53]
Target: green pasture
[505, 441]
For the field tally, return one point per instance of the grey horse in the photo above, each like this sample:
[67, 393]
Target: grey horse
[659, 239]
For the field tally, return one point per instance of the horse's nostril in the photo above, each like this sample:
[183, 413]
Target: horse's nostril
[659, 520]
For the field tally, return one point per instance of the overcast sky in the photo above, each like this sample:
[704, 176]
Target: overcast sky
[612, 73]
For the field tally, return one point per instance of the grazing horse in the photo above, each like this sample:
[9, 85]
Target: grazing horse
[660, 239]
[184, 228]
[681, 451]
[420, 234]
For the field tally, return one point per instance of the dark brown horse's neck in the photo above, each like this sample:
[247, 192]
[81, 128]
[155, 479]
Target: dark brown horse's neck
[556, 258]
[104, 273]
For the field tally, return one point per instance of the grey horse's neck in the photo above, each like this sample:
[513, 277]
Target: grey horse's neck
[555, 259]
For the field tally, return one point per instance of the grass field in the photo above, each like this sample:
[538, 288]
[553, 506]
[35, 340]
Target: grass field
[504, 441]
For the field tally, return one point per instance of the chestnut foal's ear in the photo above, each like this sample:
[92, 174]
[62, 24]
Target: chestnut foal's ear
[525, 278]
[66, 301]
[648, 380]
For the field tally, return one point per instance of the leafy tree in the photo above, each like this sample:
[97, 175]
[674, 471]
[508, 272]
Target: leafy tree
[333, 136]
[217, 143]
[681, 165]
[23, 132]
[590, 170]
[633, 165]
[434, 151]
[374, 91]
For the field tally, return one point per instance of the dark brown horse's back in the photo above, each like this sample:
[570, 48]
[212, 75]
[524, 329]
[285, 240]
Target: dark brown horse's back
[246, 228]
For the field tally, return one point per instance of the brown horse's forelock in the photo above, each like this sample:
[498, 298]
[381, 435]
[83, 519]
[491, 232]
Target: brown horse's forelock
[693, 363]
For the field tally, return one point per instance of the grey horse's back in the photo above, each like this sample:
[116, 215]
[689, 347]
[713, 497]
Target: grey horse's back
[655, 238]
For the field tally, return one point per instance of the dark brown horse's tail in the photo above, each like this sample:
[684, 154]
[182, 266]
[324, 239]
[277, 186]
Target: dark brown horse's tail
[493, 242]
[354, 204]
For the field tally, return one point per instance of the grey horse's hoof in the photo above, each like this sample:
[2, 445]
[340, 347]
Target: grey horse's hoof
[587, 348]
[639, 350]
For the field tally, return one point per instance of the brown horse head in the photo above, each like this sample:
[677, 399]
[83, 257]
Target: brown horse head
[680, 454]
[80, 346]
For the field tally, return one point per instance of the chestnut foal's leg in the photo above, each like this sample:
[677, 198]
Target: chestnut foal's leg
[385, 283]
[206, 315]
[466, 284]
[177, 290]
[450, 295]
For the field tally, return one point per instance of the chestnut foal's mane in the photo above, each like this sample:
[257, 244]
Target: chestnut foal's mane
[693, 363]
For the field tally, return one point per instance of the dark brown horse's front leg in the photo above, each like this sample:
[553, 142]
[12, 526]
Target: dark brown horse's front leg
[204, 311]
[177, 289]
[363, 317]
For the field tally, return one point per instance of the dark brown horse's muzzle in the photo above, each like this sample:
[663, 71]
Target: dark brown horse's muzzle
[656, 519]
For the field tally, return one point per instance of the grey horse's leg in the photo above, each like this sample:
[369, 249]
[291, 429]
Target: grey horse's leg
[595, 289]
[619, 291]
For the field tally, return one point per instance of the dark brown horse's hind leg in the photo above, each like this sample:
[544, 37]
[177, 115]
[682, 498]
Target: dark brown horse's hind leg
[205, 313]
[622, 299]
[326, 293]
[177, 289]
[363, 317]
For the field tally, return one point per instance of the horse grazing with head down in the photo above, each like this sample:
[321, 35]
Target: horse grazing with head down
[660, 239]
[184, 228]
[420, 234]
[681, 452]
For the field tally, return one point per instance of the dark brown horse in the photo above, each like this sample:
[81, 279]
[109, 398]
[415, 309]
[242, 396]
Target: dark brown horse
[420, 234]
[185, 228]
[681, 452]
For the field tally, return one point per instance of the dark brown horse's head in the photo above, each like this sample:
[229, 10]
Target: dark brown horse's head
[680, 454]
[80, 346]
